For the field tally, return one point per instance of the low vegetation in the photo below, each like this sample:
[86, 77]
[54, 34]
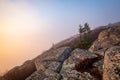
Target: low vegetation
[84, 32]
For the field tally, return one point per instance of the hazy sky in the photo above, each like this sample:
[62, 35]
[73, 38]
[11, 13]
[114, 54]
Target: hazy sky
[28, 27]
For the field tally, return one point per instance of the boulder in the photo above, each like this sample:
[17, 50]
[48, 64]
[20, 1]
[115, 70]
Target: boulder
[106, 39]
[72, 68]
[54, 59]
[111, 69]
[49, 66]
[21, 72]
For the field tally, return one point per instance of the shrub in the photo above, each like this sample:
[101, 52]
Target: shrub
[84, 42]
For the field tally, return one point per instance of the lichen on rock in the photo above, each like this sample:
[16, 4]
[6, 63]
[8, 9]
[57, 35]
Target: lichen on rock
[111, 69]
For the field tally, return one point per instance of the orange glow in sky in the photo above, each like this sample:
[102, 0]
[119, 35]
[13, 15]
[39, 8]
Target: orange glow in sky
[19, 26]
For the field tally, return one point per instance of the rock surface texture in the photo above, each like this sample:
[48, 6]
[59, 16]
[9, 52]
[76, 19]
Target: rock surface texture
[106, 39]
[112, 64]
[50, 66]
[65, 65]
[73, 68]
[62, 62]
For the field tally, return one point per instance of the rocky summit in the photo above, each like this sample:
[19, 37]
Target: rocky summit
[64, 61]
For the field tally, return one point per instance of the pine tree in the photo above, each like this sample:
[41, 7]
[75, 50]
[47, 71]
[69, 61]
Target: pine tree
[84, 42]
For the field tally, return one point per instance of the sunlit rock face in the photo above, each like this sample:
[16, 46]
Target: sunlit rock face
[106, 39]
[112, 64]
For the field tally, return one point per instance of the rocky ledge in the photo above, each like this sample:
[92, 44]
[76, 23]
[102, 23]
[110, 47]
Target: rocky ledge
[100, 62]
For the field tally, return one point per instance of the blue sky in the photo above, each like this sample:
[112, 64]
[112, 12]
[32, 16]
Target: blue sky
[95, 12]
[28, 27]
[68, 14]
